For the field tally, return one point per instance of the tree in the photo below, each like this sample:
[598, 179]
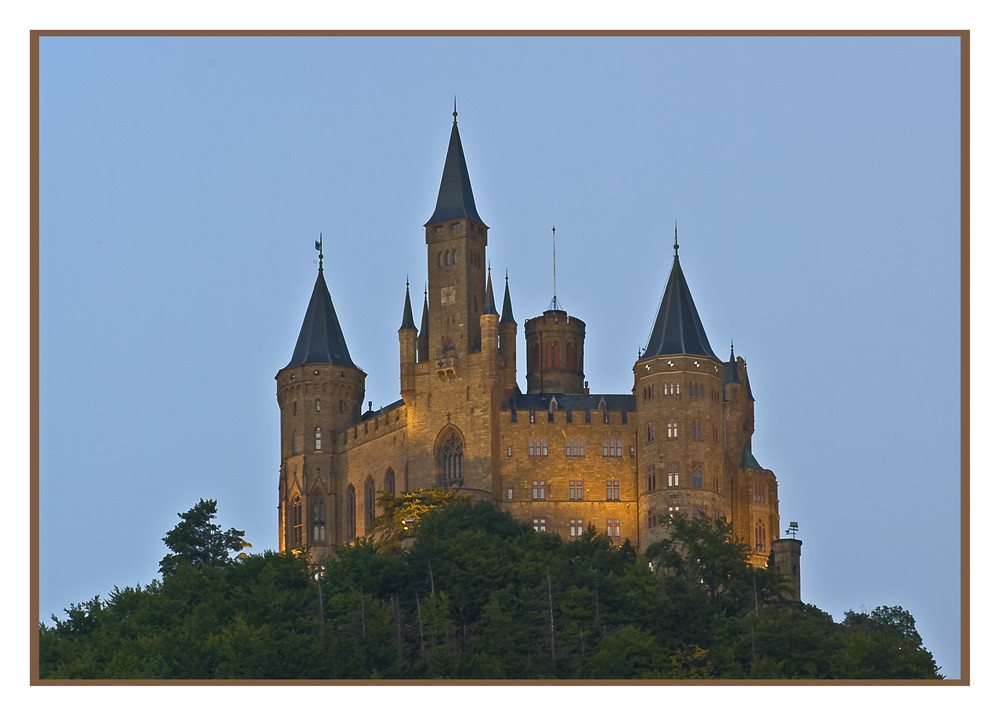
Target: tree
[198, 540]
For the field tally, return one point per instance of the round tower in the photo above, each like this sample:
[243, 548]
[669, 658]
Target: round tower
[555, 352]
[678, 394]
[319, 393]
[786, 555]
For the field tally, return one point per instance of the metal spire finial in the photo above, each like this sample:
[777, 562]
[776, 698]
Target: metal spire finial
[319, 247]
[555, 304]
[454, 112]
[676, 245]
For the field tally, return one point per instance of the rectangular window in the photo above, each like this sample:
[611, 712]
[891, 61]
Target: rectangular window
[576, 490]
[631, 451]
[612, 490]
[317, 405]
[510, 493]
[575, 527]
[531, 416]
[759, 496]
[671, 430]
[605, 449]
[650, 478]
[568, 445]
[696, 430]
[673, 475]
[545, 448]
[614, 528]
[510, 451]
[651, 518]
[650, 432]
[538, 523]
[672, 509]
[538, 489]
[531, 447]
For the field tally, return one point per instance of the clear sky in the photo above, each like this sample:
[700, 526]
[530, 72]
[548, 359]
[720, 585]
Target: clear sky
[814, 183]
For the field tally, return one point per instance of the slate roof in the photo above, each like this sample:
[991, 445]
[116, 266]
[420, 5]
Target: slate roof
[424, 320]
[455, 200]
[507, 316]
[749, 460]
[677, 328]
[407, 312]
[321, 339]
[570, 401]
[490, 307]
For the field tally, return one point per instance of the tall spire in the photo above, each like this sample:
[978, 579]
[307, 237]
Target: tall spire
[507, 315]
[424, 319]
[455, 199]
[407, 311]
[489, 304]
[677, 328]
[321, 339]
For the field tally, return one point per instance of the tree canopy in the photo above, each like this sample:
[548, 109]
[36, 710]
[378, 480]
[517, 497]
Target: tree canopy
[476, 595]
[198, 540]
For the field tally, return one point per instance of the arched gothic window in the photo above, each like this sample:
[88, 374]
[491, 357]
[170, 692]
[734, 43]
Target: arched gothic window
[369, 505]
[696, 478]
[318, 519]
[352, 513]
[760, 536]
[297, 521]
[390, 481]
[450, 461]
[295, 442]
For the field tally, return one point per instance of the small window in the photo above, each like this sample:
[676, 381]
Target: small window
[538, 489]
[297, 520]
[295, 442]
[696, 478]
[538, 523]
[651, 518]
[671, 430]
[650, 478]
[696, 430]
[673, 475]
[318, 438]
[510, 493]
[510, 450]
[650, 432]
[575, 527]
[613, 490]
[317, 405]
[576, 490]
[295, 407]
[614, 528]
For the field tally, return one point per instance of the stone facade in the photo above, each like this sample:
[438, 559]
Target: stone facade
[558, 456]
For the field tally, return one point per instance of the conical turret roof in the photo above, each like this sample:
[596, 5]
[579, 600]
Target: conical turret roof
[321, 339]
[490, 304]
[407, 312]
[677, 328]
[507, 315]
[455, 200]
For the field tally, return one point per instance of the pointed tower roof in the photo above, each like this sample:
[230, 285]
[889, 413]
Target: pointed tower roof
[677, 328]
[455, 200]
[407, 312]
[507, 315]
[489, 304]
[424, 319]
[320, 339]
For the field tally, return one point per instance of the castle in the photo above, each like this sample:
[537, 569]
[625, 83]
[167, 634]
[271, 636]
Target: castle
[555, 455]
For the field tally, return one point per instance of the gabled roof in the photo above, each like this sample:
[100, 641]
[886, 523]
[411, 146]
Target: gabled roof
[320, 339]
[677, 328]
[455, 200]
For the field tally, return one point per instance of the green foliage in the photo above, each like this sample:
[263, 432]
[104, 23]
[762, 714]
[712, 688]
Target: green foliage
[198, 540]
[400, 515]
[477, 595]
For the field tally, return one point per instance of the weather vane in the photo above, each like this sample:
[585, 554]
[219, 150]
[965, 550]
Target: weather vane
[319, 247]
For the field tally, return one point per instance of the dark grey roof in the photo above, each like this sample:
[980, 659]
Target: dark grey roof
[455, 200]
[369, 414]
[407, 312]
[424, 321]
[320, 339]
[490, 305]
[507, 316]
[677, 328]
[749, 460]
[572, 401]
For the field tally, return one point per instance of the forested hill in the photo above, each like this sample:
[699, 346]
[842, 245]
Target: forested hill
[476, 595]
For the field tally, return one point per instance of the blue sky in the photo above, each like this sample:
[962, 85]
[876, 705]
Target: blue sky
[814, 183]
